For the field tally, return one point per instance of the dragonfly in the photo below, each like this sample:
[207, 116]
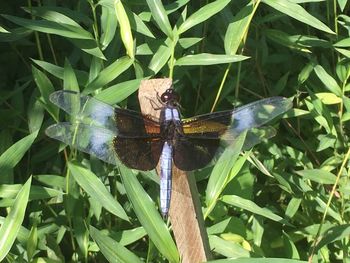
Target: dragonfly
[122, 136]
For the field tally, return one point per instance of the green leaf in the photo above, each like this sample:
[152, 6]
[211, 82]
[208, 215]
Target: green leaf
[10, 158]
[109, 25]
[203, 14]
[69, 79]
[111, 249]
[238, 28]
[138, 25]
[220, 175]
[46, 88]
[318, 176]
[253, 208]
[10, 228]
[227, 248]
[257, 260]
[297, 12]
[36, 192]
[328, 80]
[109, 73]
[328, 98]
[208, 59]
[15, 34]
[343, 43]
[333, 234]
[160, 58]
[50, 27]
[59, 15]
[188, 42]
[148, 215]
[119, 92]
[160, 16]
[284, 39]
[51, 180]
[125, 30]
[58, 72]
[77, 35]
[293, 207]
[96, 189]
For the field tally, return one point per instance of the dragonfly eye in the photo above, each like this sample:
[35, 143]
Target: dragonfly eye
[165, 97]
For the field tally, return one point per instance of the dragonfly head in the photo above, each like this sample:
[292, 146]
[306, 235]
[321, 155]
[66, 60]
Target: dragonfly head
[170, 97]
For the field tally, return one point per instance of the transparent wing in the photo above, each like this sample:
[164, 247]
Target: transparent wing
[90, 111]
[208, 136]
[85, 109]
[229, 124]
[94, 140]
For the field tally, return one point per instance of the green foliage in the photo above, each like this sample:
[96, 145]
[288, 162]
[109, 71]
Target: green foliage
[287, 198]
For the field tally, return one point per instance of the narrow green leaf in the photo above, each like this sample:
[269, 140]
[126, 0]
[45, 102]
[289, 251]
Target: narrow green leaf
[46, 88]
[52, 180]
[119, 92]
[318, 176]
[328, 80]
[111, 249]
[109, 25]
[109, 73]
[293, 207]
[125, 30]
[36, 192]
[299, 13]
[160, 16]
[58, 72]
[208, 59]
[333, 234]
[284, 39]
[148, 215]
[69, 79]
[227, 248]
[81, 234]
[160, 58]
[89, 46]
[51, 27]
[138, 25]
[220, 175]
[343, 43]
[328, 98]
[188, 42]
[126, 237]
[15, 34]
[203, 14]
[252, 207]
[10, 228]
[10, 158]
[35, 114]
[238, 28]
[96, 189]
[257, 260]
[344, 52]
[32, 242]
[59, 14]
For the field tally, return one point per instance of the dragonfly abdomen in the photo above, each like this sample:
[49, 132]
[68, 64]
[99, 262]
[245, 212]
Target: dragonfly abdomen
[165, 178]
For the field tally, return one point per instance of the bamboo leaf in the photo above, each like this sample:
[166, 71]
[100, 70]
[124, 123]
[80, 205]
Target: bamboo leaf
[96, 189]
[109, 73]
[203, 14]
[208, 59]
[111, 249]
[148, 215]
[297, 12]
[9, 229]
[125, 30]
[160, 16]
[10, 158]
